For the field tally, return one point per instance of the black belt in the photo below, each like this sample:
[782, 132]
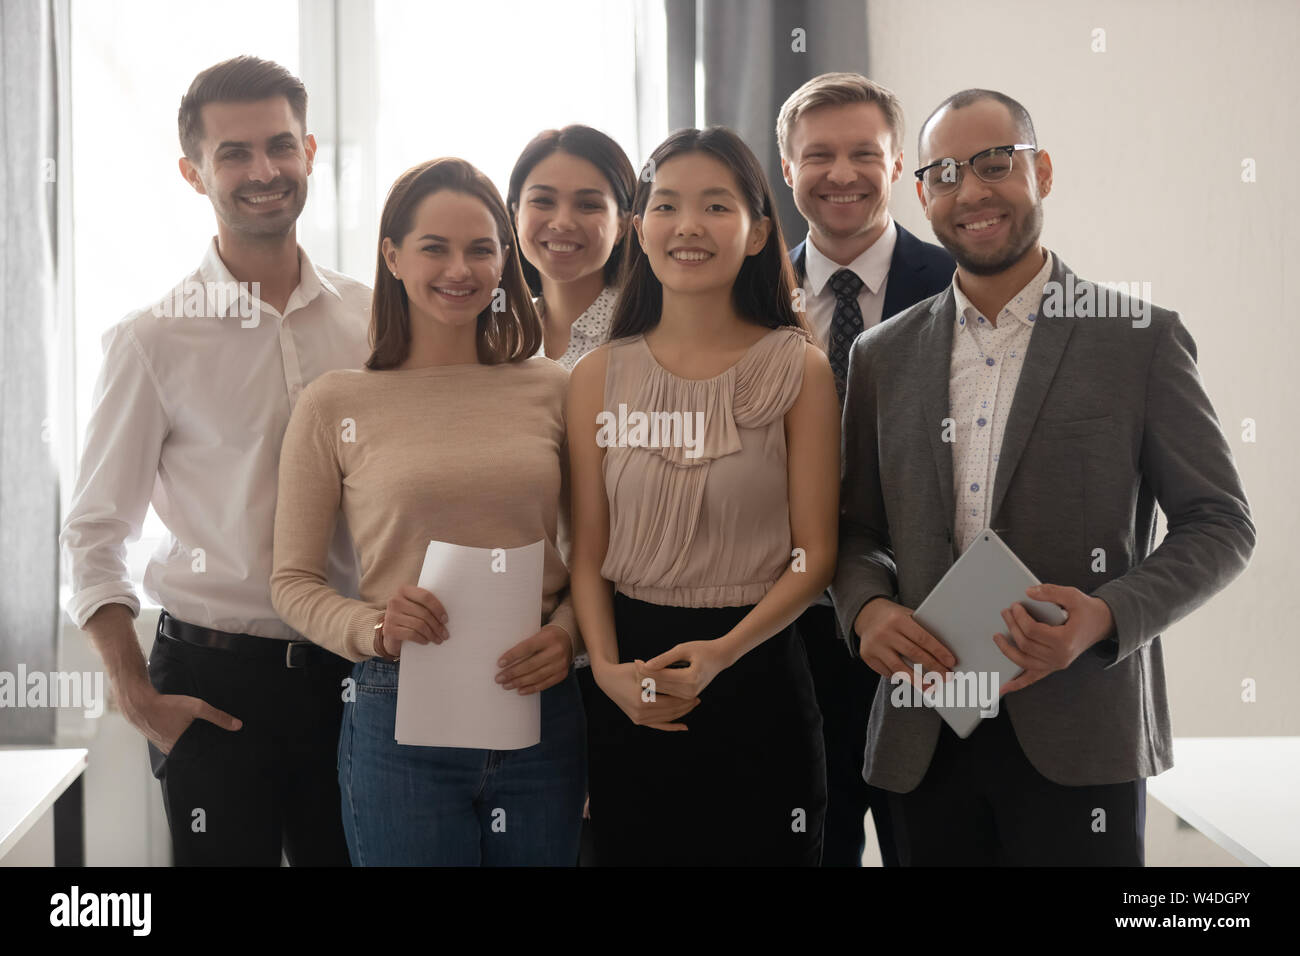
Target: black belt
[291, 653]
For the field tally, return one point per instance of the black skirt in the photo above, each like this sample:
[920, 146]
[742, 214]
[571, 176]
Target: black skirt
[745, 785]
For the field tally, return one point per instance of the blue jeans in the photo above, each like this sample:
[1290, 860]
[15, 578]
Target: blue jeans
[459, 806]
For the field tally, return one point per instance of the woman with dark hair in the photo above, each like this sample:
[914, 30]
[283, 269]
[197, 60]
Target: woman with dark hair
[570, 194]
[704, 441]
[571, 197]
[411, 450]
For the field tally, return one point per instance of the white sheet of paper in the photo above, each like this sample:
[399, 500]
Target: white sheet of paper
[447, 694]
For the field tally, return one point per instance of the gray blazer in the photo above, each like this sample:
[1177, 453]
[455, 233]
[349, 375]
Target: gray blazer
[1108, 420]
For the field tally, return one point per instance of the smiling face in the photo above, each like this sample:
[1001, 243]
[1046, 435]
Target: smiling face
[254, 166]
[450, 262]
[987, 227]
[697, 229]
[841, 167]
[567, 218]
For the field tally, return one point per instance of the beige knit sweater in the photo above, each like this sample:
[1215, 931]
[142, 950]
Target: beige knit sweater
[473, 455]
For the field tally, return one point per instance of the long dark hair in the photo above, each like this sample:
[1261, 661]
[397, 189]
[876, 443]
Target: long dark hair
[508, 336]
[764, 288]
[585, 143]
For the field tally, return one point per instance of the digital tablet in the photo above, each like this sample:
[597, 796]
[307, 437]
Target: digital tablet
[964, 611]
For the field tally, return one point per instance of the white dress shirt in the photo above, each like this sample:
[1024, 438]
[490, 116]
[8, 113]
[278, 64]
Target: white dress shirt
[983, 374]
[872, 267]
[189, 412]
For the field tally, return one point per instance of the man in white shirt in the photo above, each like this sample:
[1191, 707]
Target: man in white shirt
[841, 141]
[241, 714]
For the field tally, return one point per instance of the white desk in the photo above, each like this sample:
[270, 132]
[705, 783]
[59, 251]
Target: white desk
[31, 779]
[1241, 792]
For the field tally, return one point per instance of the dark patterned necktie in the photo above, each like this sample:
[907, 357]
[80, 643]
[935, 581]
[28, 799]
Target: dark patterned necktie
[846, 324]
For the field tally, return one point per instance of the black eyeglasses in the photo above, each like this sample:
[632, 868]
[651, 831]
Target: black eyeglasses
[992, 165]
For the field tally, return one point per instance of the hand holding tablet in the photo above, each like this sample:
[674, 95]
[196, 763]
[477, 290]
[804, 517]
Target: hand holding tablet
[1042, 646]
[965, 610]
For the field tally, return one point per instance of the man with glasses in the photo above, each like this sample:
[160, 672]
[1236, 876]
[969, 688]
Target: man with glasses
[241, 714]
[1001, 403]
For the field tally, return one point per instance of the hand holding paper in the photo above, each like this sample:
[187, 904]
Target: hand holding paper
[413, 614]
[447, 693]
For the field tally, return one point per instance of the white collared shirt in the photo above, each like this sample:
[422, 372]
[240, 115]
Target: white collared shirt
[588, 330]
[872, 267]
[983, 375]
[188, 413]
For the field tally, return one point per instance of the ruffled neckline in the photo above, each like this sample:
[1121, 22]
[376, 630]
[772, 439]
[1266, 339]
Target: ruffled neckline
[752, 393]
[732, 369]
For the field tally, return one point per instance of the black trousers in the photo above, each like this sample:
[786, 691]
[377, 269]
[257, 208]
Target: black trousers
[745, 785]
[845, 687]
[588, 687]
[238, 798]
[982, 803]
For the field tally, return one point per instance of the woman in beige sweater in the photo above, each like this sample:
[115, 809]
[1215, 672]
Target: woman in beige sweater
[451, 433]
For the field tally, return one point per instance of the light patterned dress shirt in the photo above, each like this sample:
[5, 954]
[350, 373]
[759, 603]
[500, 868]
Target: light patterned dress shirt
[983, 374]
[588, 330]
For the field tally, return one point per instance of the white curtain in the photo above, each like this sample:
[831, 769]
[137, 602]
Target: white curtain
[29, 498]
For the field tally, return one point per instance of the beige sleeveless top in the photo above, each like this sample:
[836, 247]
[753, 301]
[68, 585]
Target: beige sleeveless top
[698, 500]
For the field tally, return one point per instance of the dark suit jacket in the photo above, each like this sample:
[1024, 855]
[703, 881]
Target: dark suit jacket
[1108, 420]
[917, 270]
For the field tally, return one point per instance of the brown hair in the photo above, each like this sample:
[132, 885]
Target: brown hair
[510, 335]
[839, 89]
[244, 79]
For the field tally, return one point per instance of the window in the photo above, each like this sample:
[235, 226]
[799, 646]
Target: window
[138, 228]
[479, 81]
